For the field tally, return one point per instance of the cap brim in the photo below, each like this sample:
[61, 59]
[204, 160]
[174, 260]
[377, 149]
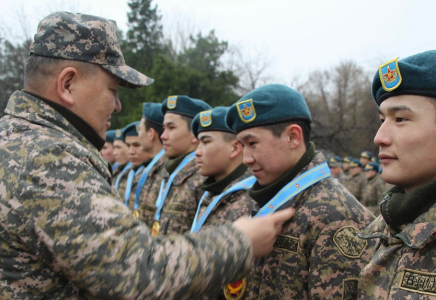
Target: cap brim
[130, 77]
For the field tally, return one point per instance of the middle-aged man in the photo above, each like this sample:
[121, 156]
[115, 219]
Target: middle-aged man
[318, 255]
[63, 234]
[404, 263]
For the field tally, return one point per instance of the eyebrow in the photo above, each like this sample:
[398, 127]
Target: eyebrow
[394, 109]
[245, 138]
[203, 137]
[169, 123]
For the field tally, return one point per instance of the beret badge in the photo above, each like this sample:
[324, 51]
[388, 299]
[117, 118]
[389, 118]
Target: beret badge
[246, 110]
[172, 102]
[390, 76]
[137, 127]
[205, 118]
[118, 133]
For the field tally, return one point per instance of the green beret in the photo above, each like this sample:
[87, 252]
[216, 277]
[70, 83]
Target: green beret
[110, 136]
[210, 120]
[355, 163]
[413, 75]
[348, 159]
[85, 38]
[366, 154]
[335, 162]
[153, 112]
[184, 105]
[372, 166]
[269, 104]
[131, 130]
[119, 134]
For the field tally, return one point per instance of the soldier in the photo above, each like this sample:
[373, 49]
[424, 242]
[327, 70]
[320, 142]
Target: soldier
[335, 166]
[317, 256]
[108, 149]
[121, 153]
[346, 165]
[150, 130]
[63, 235]
[219, 157]
[403, 266]
[180, 191]
[365, 158]
[374, 188]
[357, 180]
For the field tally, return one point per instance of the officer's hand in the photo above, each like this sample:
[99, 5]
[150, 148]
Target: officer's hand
[263, 231]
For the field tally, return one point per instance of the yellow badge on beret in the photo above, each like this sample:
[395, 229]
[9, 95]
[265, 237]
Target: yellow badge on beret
[172, 102]
[246, 110]
[137, 127]
[348, 242]
[205, 118]
[235, 290]
[118, 133]
[390, 76]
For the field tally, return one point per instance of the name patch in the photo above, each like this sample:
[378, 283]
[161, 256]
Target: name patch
[419, 282]
[288, 243]
[349, 288]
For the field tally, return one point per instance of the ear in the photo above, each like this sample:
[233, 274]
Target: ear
[294, 135]
[236, 149]
[66, 79]
[193, 139]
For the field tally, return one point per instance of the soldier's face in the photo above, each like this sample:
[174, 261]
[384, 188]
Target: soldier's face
[108, 152]
[267, 156]
[143, 136]
[355, 170]
[96, 99]
[370, 174]
[177, 139]
[407, 141]
[364, 161]
[136, 155]
[213, 154]
[121, 152]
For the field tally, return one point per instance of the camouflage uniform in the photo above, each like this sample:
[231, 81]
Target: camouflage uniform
[318, 255]
[355, 184]
[404, 265]
[181, 202]
[372, 192]
[64, 237]
[150, 192]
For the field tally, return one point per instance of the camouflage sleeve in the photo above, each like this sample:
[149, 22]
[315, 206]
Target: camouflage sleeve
[74, 224]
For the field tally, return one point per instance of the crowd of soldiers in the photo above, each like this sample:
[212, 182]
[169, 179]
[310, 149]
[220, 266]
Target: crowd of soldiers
[159, 210]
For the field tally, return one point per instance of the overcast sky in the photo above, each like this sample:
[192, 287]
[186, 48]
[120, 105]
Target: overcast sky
[296, 36]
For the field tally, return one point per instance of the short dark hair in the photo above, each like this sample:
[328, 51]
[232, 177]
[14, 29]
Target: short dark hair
[188, 121]
[228, 136]
[156, 127]
[39, 67]
[278, 128]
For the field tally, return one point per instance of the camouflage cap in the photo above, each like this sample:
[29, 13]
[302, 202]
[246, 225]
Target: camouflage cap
[85, 38]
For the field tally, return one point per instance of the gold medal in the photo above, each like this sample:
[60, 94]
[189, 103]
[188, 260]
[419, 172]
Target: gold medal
[136, 214]
[235, 290]
[155, 229]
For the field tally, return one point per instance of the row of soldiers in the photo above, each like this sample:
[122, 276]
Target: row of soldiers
[362, 177]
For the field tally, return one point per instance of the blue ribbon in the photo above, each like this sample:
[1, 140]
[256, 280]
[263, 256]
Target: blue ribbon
[114, 166]
[144, 176]
[163, 192]
[130, 177]
[293, 188]
[245, 184]
[117, 182]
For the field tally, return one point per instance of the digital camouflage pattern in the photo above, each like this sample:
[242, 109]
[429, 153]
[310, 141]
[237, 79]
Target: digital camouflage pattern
[355, 184]
[150, 192]
[122, 184]
[404, 264]
[318, 255]
[63, 236]
[342, 178]
[85, 38]
[371, 194]
[181, 203]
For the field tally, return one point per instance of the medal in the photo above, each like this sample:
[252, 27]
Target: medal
[235, 290]
[155, 229]
[136, 214]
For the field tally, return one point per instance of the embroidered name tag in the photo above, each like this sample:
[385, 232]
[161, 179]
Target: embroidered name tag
[288, 243]
[349, 288]
[419, 282]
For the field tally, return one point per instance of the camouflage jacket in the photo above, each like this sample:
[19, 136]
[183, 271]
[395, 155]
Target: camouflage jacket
[318, 255]
[404, 264]
[342, 178]
[150, 192]
[63, 236]
[355, 184]
[371, 194]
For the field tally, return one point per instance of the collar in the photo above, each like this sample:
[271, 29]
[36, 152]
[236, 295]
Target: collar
[172, 164]
[262, 194]
[217, 187]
